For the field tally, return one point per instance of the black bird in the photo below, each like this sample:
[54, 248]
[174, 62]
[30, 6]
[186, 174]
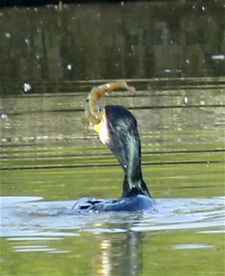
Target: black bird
[117, 128]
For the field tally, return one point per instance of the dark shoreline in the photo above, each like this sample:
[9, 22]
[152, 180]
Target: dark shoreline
[30, 3]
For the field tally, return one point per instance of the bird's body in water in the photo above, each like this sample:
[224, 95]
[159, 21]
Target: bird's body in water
[117, 128]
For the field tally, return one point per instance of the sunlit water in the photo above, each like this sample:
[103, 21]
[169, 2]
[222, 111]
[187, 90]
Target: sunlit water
[47, 165]
[31, 217]
[50, 157]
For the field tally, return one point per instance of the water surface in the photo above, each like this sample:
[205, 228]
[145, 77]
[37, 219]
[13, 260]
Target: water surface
[50, 158]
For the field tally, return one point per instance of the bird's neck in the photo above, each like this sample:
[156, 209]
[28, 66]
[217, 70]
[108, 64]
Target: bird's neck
[133, 181]
[124, 142]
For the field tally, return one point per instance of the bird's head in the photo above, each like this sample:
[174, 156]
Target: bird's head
[117, 128]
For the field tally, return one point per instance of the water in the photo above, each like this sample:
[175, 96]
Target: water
[44, 50]
[47, 165]
[57, 218]
[50, 158]
[106, 244]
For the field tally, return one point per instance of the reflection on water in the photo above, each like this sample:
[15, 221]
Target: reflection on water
[49, 61]
[57, 219]
[49, 152]
[32, 225]
[89, 42]
[175, 107]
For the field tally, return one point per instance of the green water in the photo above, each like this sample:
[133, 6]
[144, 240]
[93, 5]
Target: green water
[50, 158]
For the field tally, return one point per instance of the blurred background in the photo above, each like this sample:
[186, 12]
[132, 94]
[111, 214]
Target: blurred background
[53, 45]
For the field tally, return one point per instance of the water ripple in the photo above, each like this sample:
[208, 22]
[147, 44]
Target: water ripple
[30, 217]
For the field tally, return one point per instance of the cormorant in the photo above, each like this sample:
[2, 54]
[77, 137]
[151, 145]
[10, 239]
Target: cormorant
[117, 128]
